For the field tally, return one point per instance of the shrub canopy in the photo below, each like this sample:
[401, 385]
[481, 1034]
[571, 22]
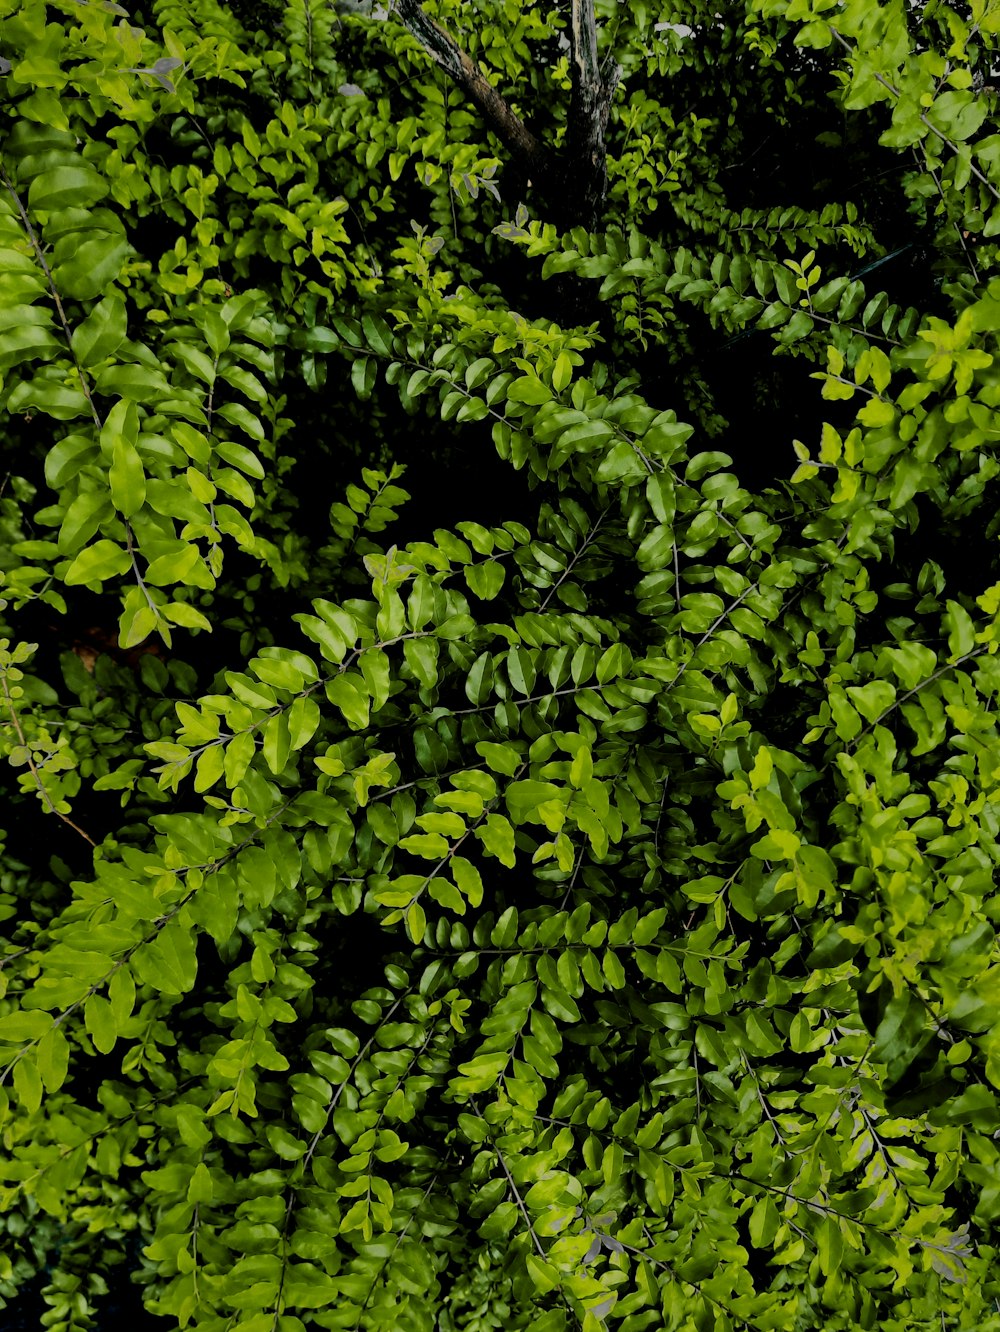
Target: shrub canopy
[499, 688]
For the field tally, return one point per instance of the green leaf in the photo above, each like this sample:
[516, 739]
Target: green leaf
[99, 1019]
[134, 384]
[52, 1058]
[238, 456]
[66, 187]
[873, 699]
[58, 400]
[530, 389]
[562, 372]
[249, 691]
[958, 114]
[500, 1222]
[121, 427]
[276, 743]
[485, 580]
[195, 360]
[135, 626]
[121, 996]
[378, 334]
[172, 568]
[236, 414]
[468, 879]
[430, 846]
[286, 1146]
[185, 615]
[444, 892]
[348, 693]
[65, 459]
[622, 463]
[168, 964]
[497, 836]
[28, 1084]
[303, 721]
[499, 758]
[209, 767]
[101, 333]
[26, 1025]
[238, 757]
[98, 562]
[364, 372]
[544, 1277]
[421, 655]
[961, 630]
[128, 480]
[481, 1073]
[416, 923]
[902, 1033]
[26, 343]
[201, 1188]
[248, 384]
[764, 1222]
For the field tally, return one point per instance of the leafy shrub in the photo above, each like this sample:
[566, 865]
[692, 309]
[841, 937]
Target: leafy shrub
[489, 848]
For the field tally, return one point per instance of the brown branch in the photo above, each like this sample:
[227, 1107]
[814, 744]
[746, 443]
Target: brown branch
[505, 124]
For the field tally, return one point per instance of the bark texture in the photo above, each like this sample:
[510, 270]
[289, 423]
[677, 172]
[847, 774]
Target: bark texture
[573, 181]
[585, 157]
[442, 47]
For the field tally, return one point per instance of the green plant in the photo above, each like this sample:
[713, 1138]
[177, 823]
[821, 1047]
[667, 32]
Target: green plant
[579, 914]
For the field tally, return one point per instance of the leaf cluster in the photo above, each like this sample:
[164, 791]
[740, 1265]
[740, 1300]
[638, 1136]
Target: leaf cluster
[577, 914]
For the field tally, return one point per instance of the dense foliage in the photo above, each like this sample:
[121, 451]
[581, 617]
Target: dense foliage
[500, 736]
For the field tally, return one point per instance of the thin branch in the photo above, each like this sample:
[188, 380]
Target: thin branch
[898, 703]
[521, 1206]
[517, 1197]
[495, 110]
[974, 170]
[725, 615]
[944, 203]
[577, 554]
[569, 887]
[36, 245]
[399, 1239]
[659, 816]
[32, 768]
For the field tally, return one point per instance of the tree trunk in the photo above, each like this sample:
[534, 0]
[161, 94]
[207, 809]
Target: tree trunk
[585, 165]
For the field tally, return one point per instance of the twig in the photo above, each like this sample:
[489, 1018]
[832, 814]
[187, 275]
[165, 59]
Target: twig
[36, 245]
[16, 721]
[898, 703]
[577, 554]
[958, 230]
[974, 170]
[519, 1201]
[572, 881]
